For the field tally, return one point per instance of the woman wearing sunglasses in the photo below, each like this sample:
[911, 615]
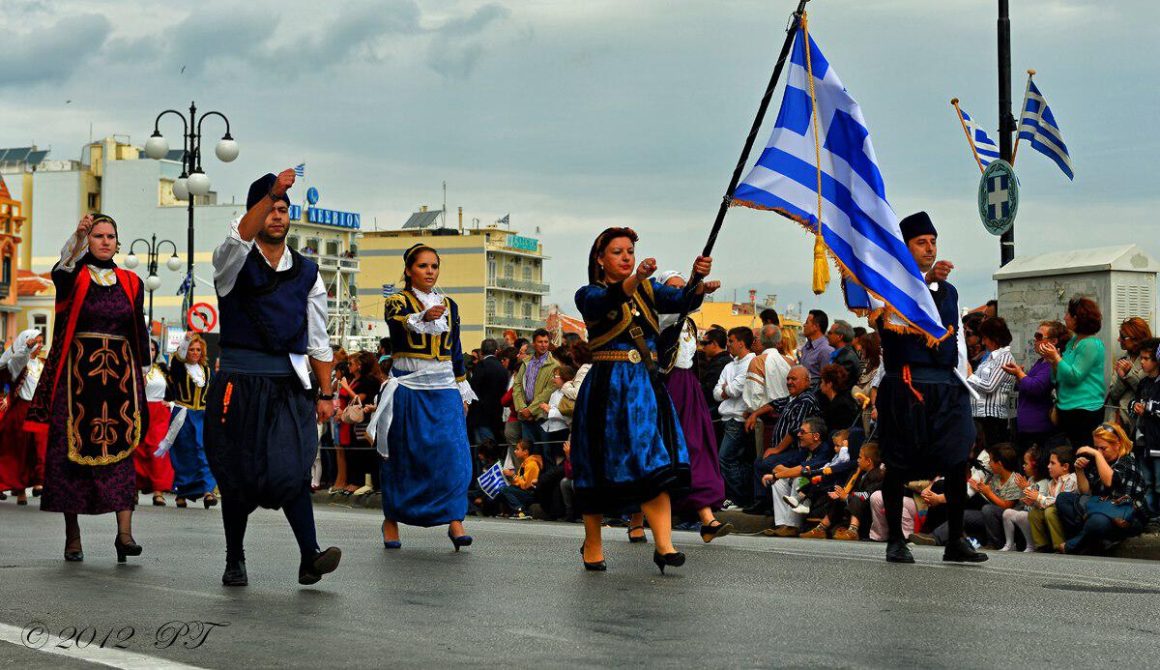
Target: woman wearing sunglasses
[1035, 387]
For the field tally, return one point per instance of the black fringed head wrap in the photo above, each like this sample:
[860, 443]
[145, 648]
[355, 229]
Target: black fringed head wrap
[595, 272]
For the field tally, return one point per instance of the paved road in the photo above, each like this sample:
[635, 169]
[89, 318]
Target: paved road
[519, 598]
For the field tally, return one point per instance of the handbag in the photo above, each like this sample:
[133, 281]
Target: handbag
[1116, 511]
[353, 413]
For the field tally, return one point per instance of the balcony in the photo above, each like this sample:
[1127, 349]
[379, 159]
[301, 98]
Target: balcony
[517, 285]
[332, 304]
[348, 264]
[513, 322]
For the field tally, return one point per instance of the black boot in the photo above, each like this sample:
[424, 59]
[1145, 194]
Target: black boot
[962, 552]
[311, 569]
[898, 552]
[235, 574]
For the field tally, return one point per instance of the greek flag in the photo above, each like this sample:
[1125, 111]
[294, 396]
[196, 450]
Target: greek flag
[300, 170]
[1037, 125]
[985, 147]
[389, 290]
[492, 480]
[858, 226]
[184, 288]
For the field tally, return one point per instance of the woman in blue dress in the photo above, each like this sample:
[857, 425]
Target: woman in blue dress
[419, 426]
[188, 378]
[627, 446]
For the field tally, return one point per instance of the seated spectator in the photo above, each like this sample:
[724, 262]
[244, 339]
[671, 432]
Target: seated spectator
[1046, 528]
[835, 402]
[486, 453]
[1000, 489]
[1019, 516]
[816, 482]
[848, 513]
[813, 454]
[790, 411]
[878, 528]
[1146, 408]
[522, 491]
[1108, 504]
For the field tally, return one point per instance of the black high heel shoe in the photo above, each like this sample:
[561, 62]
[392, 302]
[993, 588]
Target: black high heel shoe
[595, 566]
[390, 544]
[634, 539]
[75, 556]
[130, 548]
[710, 533]
[673, 560]
[210, 500]
[460, 540]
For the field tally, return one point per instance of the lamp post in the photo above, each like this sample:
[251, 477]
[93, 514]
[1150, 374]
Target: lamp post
[193, 181]
[153, 250]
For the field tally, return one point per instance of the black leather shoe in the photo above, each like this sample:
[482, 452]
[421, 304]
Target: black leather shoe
[963, 552]
[311, 570]
[235, 574]
[129, 548]
[898, 552]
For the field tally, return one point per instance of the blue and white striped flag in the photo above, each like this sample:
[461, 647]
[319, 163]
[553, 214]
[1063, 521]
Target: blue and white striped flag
[492, 481]
[859, 228]
[300, 170]
[985, 147]
[1037, 125]
[389, 290]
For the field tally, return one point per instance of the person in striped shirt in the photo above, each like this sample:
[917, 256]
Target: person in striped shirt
[992, 383]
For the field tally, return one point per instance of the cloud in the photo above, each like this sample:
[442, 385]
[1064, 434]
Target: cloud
[53, 53]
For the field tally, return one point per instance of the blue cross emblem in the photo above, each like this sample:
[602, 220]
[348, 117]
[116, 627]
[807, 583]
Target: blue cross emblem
[998, 203]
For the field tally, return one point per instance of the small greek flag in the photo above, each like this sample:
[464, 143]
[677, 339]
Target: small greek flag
[184, 288]
[985, 147]
[492, 480]
[389, 290]
[507, 218]
[1037, 125]
[300, 170]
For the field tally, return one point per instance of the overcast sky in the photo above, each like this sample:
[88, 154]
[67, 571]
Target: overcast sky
[572, 116]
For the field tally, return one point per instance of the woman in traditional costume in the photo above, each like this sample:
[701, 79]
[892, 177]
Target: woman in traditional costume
[419, 426]
[707, 487]
[188, 380]
[92, 402]
[627, 444]
[21, 452]
[155, 473]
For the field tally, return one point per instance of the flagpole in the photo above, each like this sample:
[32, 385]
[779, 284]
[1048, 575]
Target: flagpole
[669, 340]
[1026, 92]
[1006, 120]
[970, 140]
[726, 201]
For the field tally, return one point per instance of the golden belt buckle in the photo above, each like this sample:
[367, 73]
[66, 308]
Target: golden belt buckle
[633, 356]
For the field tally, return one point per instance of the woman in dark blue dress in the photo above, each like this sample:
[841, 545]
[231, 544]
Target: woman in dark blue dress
[627, 447]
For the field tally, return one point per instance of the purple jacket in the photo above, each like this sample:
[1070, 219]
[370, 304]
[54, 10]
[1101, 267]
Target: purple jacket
[1034, 408]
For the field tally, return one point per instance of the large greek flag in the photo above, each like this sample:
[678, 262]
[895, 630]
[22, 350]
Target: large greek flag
[1037, 125]
[985, 147]
[859, 227]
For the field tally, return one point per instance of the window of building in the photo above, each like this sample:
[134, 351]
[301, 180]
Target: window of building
[40, 322]
[292, 242]
[333, 247]
[509, 308]
[527, 310]
[490, 305]
[491, 268]
[527, 273]
[6, 274]
[94, 202]
[508, 271]
[313, 244]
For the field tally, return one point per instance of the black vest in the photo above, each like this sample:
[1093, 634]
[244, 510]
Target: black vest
[267, 310]
[902, 349]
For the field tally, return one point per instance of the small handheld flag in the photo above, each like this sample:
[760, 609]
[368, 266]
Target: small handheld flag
[492, 481]
[1037, 125]
[389, 290]
[819, 169]
[984, 148]
[300, 170]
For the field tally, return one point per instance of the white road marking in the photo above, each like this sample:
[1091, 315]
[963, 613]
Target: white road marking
[112, 658]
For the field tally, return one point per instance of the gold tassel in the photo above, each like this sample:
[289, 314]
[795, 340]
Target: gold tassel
[821, 267]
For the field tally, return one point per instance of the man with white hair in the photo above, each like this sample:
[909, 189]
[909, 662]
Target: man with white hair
[766, 379]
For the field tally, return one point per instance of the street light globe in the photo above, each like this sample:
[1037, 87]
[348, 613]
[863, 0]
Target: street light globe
[226, 150]
[156, 147]
[152, 282]
[131, 261]
[181, 189]
[198, 183]
[174, 263]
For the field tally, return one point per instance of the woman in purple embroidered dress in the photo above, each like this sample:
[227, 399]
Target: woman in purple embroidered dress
[91, 401]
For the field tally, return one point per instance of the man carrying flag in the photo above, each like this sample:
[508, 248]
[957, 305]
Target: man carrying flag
[924, 409]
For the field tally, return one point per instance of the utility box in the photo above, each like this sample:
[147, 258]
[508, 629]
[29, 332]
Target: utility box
[1121, 279]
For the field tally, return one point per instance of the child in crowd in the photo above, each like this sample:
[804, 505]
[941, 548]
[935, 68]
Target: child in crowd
[1046, 528]
[853, 499]
[1018, 516]
[1000, 489]
[522, 491]
[487, 453]
[811, 481]
[1147, 435]
[559, 415]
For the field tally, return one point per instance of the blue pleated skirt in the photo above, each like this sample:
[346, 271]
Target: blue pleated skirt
[192, 477]
[627, 444]
[425, 478]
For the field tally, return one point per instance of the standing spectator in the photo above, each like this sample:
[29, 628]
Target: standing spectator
[582, 357]
[789, 345]
[737, 444]
[816, 352]
[841, 338]
[557, 415]
[1033, 414]
[1079, 372]
[769, 317]
[992, 383]
[490, 382]
[976, 352]
[533, 387]
[509, 338]
[1127, 372]
[1107, 506]
[1146, 409]
[869, 348]
[713, 345]
[384, 353]
[765, 380]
